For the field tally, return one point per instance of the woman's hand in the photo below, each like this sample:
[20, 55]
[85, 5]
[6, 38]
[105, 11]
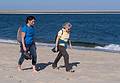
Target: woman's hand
[56, 48]
[70, 46]
[24, 48]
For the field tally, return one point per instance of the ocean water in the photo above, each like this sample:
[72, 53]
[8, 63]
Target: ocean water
[99, 31]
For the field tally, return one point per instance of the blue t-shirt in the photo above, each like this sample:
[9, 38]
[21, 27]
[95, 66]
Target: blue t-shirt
[29, 34]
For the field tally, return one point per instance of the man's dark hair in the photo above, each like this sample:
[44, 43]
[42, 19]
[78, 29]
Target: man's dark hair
[30, 18]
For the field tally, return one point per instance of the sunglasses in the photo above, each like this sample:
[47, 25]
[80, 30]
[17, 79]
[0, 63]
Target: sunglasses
[69, 29]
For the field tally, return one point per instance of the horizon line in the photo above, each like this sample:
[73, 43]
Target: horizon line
[59, 11]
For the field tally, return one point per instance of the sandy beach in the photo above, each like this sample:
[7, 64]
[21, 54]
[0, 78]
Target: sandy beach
[90, 66]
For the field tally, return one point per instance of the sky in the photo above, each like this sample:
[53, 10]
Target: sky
[59, 4]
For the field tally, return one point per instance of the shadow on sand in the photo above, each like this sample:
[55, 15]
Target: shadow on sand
[71, 65]
[41, 66]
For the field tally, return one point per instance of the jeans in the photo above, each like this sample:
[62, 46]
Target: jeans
[32, 49]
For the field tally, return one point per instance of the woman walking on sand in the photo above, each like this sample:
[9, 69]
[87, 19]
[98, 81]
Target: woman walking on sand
[61, 45]
[28, 43]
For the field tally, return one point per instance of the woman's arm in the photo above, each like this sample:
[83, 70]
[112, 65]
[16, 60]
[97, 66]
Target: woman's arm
[70, 43]
[57, 40]
[23, 41]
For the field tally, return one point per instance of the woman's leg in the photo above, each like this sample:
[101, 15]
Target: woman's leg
[54, 65]
[34, 56]
[21, 60]
[66, 57]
